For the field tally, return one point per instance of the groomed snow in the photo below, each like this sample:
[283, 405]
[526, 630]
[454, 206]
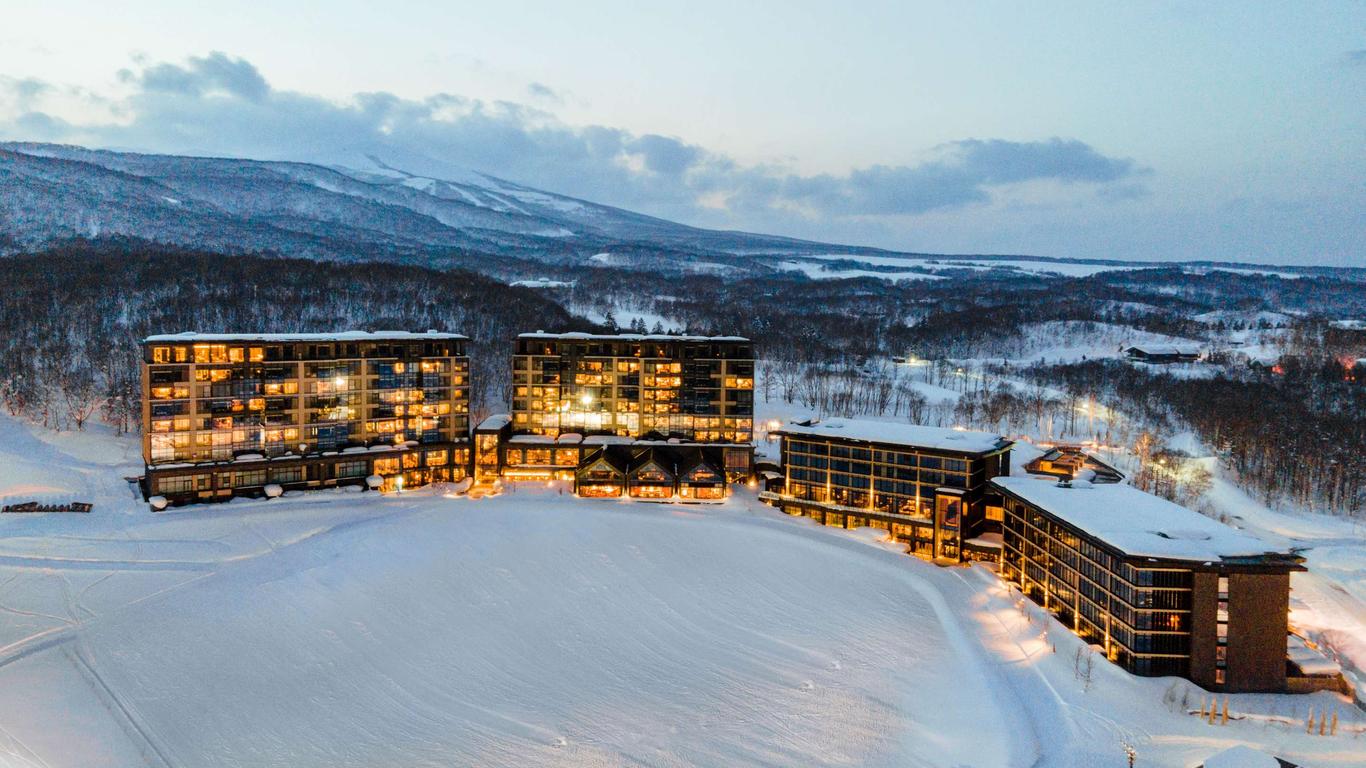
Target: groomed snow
[1135, 522]
[890, 432]
[536, 629]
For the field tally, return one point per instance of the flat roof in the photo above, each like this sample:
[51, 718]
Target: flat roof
[1135, 522]
[893, 433]
[191, 336]
[580, 336]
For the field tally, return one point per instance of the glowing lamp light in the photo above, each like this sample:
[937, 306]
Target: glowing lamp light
[586, 399]
[398, 483]
[339, 382]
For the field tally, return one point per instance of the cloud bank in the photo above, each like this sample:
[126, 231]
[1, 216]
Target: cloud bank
[222, 105]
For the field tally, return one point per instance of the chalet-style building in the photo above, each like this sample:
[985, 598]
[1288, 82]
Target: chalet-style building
[1161, 354]
[1161, 589]
[231, 414]
[575, 393]
[653, 471]
[926, 486]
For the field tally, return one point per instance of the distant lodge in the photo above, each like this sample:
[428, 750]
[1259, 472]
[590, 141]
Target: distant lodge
[234, 414]
[1162, 354]
[1159, 589]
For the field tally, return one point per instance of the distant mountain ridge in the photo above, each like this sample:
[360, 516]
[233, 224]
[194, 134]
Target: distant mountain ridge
[373, 210]
[53, 192]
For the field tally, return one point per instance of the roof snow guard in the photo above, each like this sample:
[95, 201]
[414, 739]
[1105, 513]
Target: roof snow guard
[1140, 524]
[191, 336]
[580, 336]
[892, 433]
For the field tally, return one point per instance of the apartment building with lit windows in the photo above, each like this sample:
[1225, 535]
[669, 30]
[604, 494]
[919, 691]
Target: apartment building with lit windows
[230, 414]
[1161, 589]
[926, 486]
[571, 390]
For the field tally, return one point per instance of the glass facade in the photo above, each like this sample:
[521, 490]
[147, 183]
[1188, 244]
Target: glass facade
[928, 498]
[232, 399]
[692, 388]
[1139, 612]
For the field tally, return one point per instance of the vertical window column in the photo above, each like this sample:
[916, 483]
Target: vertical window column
[1221, 633]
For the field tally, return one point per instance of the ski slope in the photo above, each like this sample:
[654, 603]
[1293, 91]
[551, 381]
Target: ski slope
[533, 628]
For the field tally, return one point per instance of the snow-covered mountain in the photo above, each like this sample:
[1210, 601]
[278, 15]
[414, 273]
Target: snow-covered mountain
[369, 209]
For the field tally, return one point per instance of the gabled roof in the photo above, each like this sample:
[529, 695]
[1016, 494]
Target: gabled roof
[691, 458]
[613, 458]
[659, 456]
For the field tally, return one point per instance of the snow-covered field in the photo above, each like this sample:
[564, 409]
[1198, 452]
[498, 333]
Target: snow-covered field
[818, 271]
[534, 628]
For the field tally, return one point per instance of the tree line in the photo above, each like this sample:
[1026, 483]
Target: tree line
[73, 318]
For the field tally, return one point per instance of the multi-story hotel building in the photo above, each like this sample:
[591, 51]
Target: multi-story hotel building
[229, 414]
[1162, 589]
[568, 388]
[926, 486]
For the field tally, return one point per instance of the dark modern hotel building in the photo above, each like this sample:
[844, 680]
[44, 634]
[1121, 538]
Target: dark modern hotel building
[926, 486]
[576, 394]
[231, 414]
[1162, 590]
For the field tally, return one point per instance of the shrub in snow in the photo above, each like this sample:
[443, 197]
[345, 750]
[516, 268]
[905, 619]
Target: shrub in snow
[374, 482]
[273, 491]
[158, 503]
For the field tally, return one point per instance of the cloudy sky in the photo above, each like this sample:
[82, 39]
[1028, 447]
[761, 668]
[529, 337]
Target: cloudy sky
[1161, 130]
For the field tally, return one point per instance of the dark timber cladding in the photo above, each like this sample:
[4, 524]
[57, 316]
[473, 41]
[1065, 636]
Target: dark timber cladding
[228, 414]
[1163, 590]
[926, 486]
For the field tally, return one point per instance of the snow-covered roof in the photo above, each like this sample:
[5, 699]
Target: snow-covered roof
[532, 439]
[496, 421]
[580, 336]
[1136, 523]
[607, 440]
[892, 433]
[1242, 757]
[191, 336]
[1309, 660]
[1163, 349]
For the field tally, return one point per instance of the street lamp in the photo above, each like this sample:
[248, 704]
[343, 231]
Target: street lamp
[1130, 752]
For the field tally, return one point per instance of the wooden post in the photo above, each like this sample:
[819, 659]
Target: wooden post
[1225, 721]
[1334, 728]
[1309, 726]
[1323, 723]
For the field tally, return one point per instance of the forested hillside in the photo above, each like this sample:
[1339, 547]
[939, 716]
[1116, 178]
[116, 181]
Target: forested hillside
[72, 318]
